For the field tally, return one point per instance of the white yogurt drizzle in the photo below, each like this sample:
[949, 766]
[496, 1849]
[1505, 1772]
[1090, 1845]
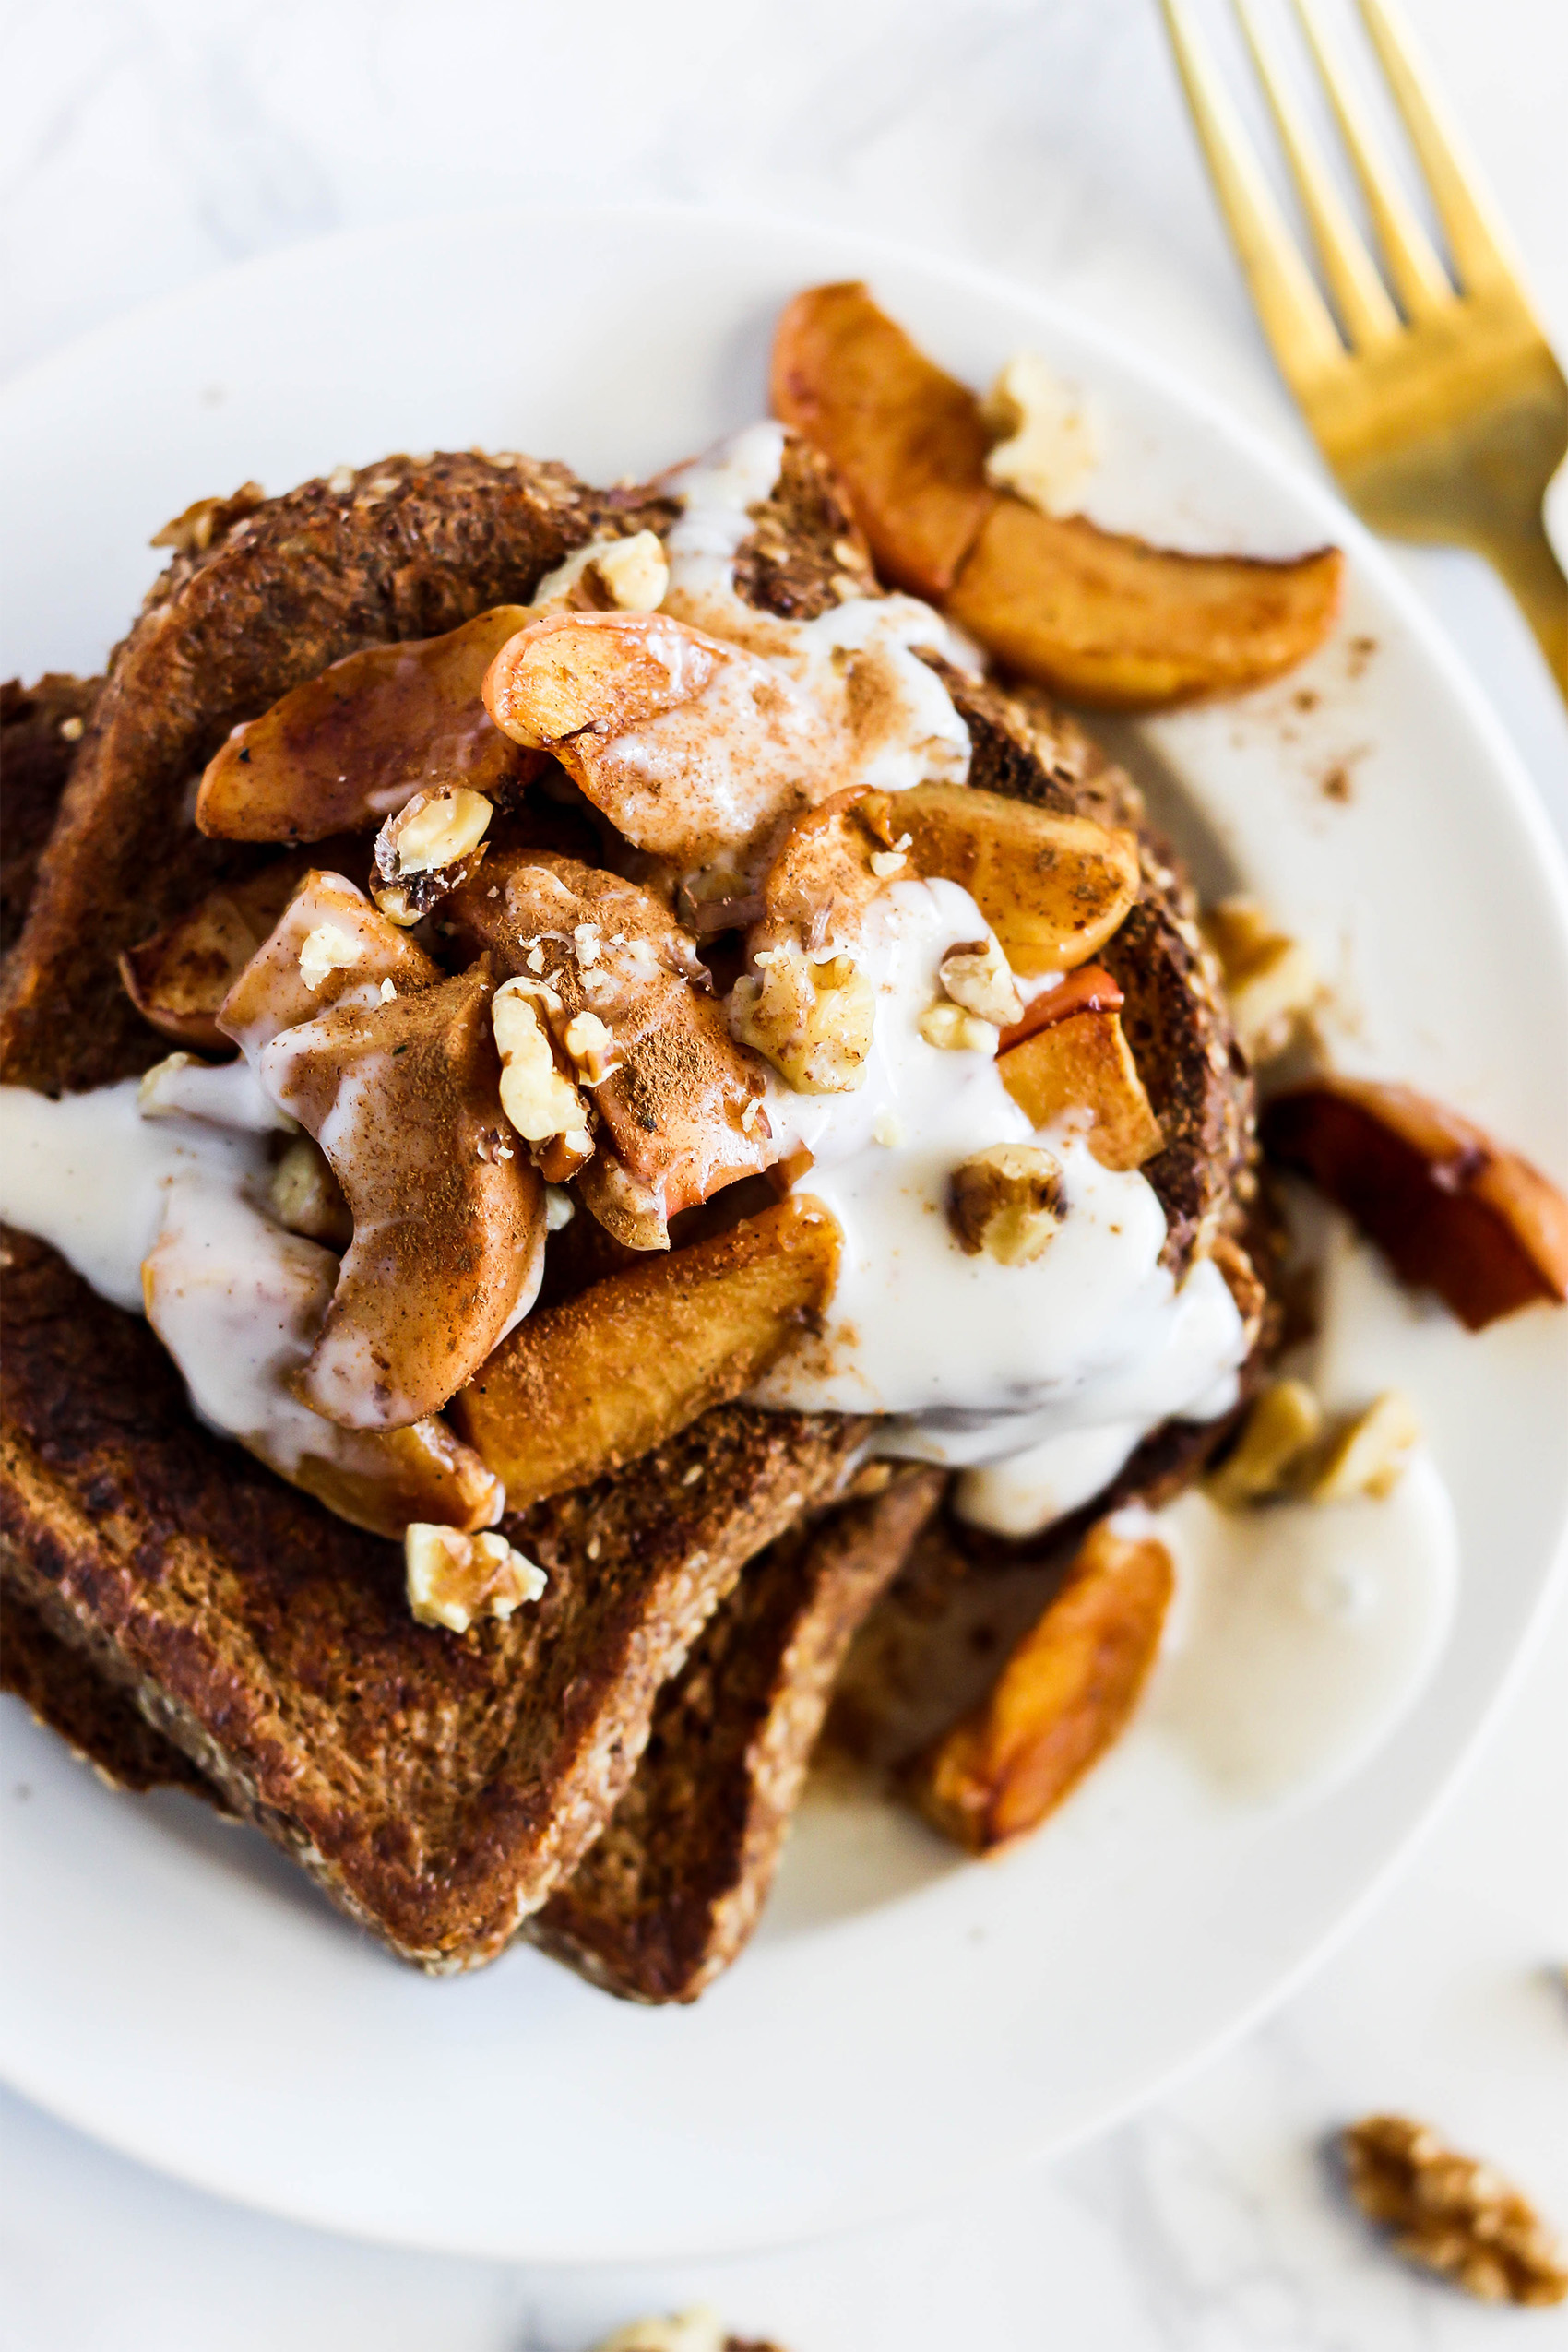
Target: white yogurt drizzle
[171, 1173]
[921, 737]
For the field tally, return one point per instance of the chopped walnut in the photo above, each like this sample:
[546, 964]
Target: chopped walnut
[1270, 979]
[542, 1104]
[607, 576]
[591, 1046]
[1453, 2215]
[1290, 1448]
[453, 1578]
[1049, 445]
[812, 1021]
[428, 849]
[981, 980]
[1284, 1422]
[306, 1197]
[1369, 1453]
[328, 949]
[1008, 1200]
[952, 1030]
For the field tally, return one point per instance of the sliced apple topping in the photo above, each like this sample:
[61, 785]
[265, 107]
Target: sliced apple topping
[1053, 887]
[1062, 1698]
[351, 746]
[1092, 614]
[580, 1388]
[328, 946]
[1084, 1064]
[689, 745]
[635, 1027]
[1451, 1210]
[448, 1213]
[178, 978]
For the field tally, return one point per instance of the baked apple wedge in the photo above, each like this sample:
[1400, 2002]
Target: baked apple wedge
[178, 978]
[448, 1211]
[1085, 1064]
[348, 748]
[582, 1387]
[1451, 1210]
[1099, 617]
[1063, 1697]
[1053, 887]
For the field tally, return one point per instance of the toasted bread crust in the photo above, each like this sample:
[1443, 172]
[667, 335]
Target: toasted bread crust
[664, 1900]
[412, 548]
[436, 1787]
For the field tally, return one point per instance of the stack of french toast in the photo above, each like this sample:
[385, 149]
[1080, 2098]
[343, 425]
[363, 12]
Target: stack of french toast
[511, 893]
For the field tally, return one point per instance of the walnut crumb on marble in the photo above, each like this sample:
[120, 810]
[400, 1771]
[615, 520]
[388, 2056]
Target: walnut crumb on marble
[1453, 2215]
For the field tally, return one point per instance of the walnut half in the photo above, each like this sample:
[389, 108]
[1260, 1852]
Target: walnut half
[1453, 2215]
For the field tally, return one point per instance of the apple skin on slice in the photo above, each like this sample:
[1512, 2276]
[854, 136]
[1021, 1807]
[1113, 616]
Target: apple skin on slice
[906, 439]
[1085, 1064]
[1095, 616]
[348, 748]
[178, 979]
[1105, 619]
[579, 1388]
[1053, 887]
[1062, 1698]
[1450, 1209]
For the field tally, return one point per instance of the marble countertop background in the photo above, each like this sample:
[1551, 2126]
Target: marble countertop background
[152, 141]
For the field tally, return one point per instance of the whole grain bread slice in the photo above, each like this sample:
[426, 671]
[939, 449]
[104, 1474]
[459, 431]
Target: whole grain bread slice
[666, 1897]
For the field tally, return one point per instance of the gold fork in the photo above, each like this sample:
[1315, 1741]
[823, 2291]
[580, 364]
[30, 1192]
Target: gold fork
[1441, 408]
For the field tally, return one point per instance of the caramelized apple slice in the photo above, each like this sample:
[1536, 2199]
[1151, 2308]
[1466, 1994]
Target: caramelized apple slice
[1090, 989]
[584, 1386]
[1052, 887]
[1451, 1210]
[631, 1011]
[328, 946]
[1107, 620]
[178, 978]
[1062, 1699]
[908, 441]
[404, 1098]
[238, 1303]
[689, 745]
[1085, 1064]
[348, 748]
[1102, 618]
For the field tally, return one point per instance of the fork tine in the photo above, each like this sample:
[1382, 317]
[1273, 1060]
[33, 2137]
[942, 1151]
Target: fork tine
[1295, 317]
[1418, 275]
[1358, 293]
[1477, 240]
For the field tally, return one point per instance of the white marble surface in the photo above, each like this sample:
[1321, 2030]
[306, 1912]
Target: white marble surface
[154, 140]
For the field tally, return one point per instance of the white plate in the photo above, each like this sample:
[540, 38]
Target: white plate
[173, 1986]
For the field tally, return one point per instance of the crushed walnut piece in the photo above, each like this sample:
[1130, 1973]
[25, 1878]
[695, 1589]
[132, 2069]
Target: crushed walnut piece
[628, 575]
[952, 1030]
[328, 948]
[1008, 1200]
[305, 1197]
[429, 849]
[1049, 443]
[1270, 979]
[981, 980]
[454, 1578]
[1453, 2215]
[812, 1020]
[1290, 1448]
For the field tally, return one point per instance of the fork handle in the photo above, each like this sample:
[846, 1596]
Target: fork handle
[1529, 567]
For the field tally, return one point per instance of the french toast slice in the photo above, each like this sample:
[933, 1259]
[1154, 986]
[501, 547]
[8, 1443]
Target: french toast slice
[665, 1898]
[442, 1790]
